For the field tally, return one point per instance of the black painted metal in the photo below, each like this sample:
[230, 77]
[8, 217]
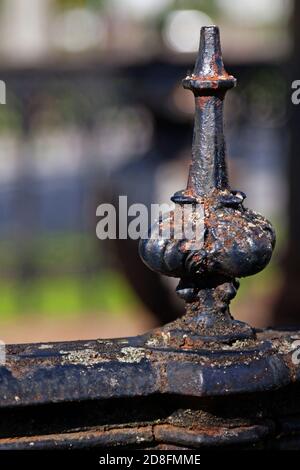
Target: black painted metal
[236, 242]
[204, 380]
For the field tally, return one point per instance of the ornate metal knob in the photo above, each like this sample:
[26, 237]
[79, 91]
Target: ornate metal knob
[235, 242]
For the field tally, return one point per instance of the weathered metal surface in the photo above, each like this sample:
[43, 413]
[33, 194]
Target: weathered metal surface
[127, 393]
[90, 394]
[202, 381]
[102, 369]
[237, 242]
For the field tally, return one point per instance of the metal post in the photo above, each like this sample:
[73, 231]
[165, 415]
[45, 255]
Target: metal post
[235, 241]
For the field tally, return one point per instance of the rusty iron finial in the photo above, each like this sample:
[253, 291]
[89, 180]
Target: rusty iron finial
[237, 242]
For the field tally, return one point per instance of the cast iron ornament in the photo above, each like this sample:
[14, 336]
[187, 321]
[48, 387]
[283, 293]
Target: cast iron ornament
[237, 242]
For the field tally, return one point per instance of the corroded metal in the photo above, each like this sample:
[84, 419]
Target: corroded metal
[237, 242]
[124, 393]
[202, 381]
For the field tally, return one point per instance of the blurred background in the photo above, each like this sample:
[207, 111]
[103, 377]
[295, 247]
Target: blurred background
[95, 109]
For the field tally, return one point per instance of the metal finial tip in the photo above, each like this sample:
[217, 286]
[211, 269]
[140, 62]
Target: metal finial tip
[209, 72]
[209, 61]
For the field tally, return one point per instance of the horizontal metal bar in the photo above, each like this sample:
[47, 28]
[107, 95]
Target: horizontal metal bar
[132, 367]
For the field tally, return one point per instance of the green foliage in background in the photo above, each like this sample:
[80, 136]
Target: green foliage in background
[69, 278]
[65, 4]
[66, 296]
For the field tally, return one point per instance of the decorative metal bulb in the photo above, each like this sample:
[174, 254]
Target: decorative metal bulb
[236, 242]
